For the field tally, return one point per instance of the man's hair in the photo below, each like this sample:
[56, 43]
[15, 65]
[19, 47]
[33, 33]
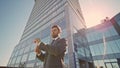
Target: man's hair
[58, 27]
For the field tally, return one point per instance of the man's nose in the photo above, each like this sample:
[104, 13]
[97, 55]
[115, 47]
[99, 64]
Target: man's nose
[51, 32]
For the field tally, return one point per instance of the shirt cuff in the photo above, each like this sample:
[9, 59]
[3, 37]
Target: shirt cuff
[39, 44]
[39, 54]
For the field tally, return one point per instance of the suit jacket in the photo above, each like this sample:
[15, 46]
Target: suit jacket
[54, 56]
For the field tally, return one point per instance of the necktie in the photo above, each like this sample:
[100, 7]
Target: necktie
[53, 42]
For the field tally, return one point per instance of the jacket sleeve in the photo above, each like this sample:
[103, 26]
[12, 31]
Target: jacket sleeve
[55, 50]
[41, 57]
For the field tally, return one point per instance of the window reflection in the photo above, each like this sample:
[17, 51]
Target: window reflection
[45, 32]
[64, 33]
[32, 56]
[46, 40]
[21, 51]
[32, 47]
[26, 49]
[98, 34]
[13, 60]
[18, 59]
[24, 58]
[61, 23]
[31, 65]
[118, 22]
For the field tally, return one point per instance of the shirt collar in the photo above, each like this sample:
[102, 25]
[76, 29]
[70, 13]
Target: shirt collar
[56, 38]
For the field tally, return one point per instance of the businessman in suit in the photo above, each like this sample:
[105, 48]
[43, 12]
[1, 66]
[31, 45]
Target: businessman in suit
[54, 56]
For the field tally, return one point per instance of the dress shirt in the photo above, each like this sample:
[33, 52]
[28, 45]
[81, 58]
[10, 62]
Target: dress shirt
[56, 38]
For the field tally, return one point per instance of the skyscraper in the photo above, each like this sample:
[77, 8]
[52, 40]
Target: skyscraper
[65, 13]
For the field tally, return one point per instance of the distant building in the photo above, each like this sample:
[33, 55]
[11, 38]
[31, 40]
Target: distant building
[65, 13]
[104, 42]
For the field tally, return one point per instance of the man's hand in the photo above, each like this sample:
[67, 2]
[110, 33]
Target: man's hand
[37, 41]
[37, 49]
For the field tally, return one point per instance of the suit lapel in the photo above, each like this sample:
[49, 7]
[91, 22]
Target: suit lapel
[55, 41]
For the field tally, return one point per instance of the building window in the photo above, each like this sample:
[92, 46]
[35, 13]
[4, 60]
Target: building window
[30, 65]
[18, 59]
[61, 23]
[32, 47]
[32, 56]
[46, 40]
[24, 58]
[45, 32]
[21, 51]
[13, 60]
[27, 49]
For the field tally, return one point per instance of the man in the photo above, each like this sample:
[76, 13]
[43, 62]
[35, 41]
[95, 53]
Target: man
[54, 56]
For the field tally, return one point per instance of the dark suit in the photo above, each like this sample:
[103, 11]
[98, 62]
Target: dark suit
[54, 56]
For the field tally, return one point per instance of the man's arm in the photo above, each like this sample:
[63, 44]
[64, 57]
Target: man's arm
[41, 56]
[55, 50]
[38, 52]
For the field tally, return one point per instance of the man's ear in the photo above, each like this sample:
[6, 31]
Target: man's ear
[59, 32]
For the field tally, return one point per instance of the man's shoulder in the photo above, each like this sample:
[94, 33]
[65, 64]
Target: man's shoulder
[63, 39]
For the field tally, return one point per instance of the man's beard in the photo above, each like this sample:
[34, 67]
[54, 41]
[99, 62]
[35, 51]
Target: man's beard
[54, 36]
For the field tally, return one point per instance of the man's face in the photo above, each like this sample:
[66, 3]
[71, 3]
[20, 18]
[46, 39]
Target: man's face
[54, 32]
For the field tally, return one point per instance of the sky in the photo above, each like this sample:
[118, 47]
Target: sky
[96, 10]
[14, 15]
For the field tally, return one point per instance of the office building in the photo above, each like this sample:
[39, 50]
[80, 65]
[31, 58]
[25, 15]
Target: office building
[65, 13]
[104, 42]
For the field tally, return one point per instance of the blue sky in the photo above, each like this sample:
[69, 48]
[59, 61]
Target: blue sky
[14, 15]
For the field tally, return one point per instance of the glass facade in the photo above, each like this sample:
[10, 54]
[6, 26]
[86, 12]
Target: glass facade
[117, 18]
[104, 43]
[80, 46]
[65, 13]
